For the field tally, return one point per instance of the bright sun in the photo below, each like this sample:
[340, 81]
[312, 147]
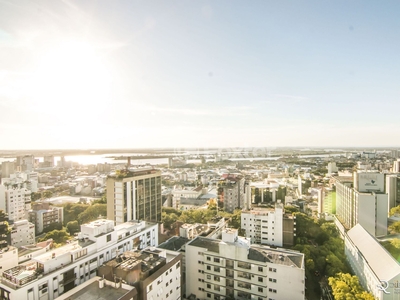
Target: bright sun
[71, 78]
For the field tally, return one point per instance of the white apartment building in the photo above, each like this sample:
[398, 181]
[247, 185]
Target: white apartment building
[22, 233]
[8, 259]
[269, 226]
[17, 202]
[365, 203]
[373, 265]
[57, 271]
[231, 267]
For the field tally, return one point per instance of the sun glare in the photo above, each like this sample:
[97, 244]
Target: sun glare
[71, 78]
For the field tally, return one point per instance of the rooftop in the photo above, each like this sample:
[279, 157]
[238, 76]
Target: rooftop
[380, 261]
[90, 290]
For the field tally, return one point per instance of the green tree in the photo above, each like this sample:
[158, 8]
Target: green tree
[395, 243]
[53, 226]
[169, 219]
[72, 211]
[395, 210]
[395, 227]
[92, 213]
[47, 194]
[345, 287]
[58, 236]
[73, 227]
[36, 196]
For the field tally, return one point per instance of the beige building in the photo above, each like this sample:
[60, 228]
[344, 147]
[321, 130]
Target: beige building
[134, 195]
[231, 268]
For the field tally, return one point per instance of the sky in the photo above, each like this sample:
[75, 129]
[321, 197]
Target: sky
[176, 74]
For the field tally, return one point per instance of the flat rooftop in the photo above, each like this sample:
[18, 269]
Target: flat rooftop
[92, 291]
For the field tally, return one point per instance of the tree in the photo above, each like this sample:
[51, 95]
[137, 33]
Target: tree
[36, 196]
[53, 226]
[395, 227]
[395, 210]
[169, 219]
[92, 213]
[344, 286]
[72, 211]
[47, 194]
[395, 243]
[73, 227]
[58, 236]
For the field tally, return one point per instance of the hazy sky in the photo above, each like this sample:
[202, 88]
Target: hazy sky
[126, 74]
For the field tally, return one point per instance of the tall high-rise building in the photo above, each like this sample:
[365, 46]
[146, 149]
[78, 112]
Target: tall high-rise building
[7, 168]
[362, 200]
[134, 195]
[17, 202]
[231, 192]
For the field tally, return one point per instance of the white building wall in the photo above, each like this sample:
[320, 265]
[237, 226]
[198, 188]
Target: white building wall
[264, 227]
[22, 234]
[83, 268]
[207, 275]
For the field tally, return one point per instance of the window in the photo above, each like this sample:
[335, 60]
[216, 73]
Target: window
[217, 278]
[260, 269]
[208, 268]
[150, 287]
[216, 288]
[178, 265]
[272, 280]
[208, 258]
[272, 290]
[216, 269]
[272, 269]
[208, 295]
[260, 289]
[108, 238]
[208, 286]
[217, 260]
[208, 276]
[260, 279]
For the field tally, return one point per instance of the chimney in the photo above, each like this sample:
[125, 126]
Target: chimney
[101, 283]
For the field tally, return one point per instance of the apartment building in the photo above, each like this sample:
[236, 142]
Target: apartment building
[361, 199]
[134, 195]
[269, 226]
[43, 215]
[231, 268]
[22, 234]
[377, 270]
[16, 202]
[231, 192]
[59, 270]
[155, 273]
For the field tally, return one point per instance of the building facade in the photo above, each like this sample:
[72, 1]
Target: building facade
[269, 226]
[362, 200]
[231, 192]
[17, 202]
[372, 264]
[135, 195]
[231, 268]
[43, 216]
[22, 233]
[59, 270]
[155, 273]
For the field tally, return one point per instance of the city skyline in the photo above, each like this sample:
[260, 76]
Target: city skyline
[122, 74]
